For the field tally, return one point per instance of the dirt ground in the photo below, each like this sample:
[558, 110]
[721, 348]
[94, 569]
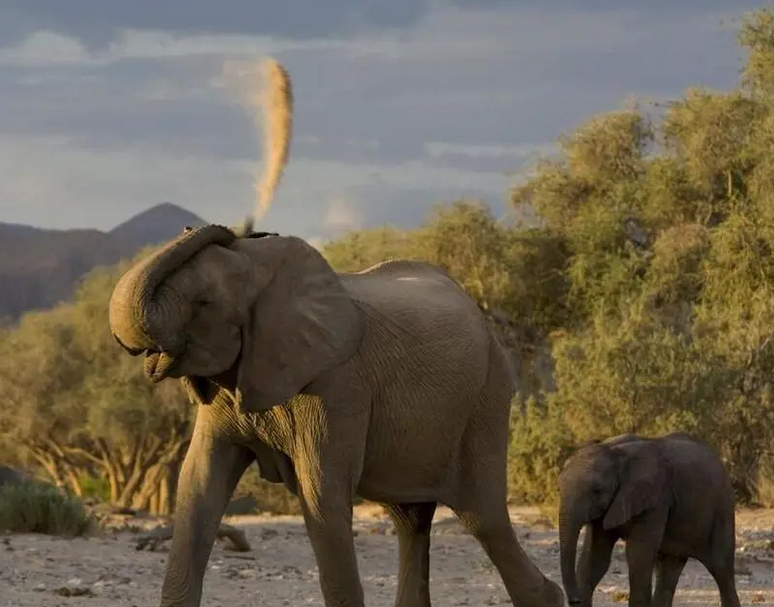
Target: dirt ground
[107, 570]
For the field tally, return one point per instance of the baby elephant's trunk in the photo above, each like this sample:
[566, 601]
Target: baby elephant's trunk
[569, 530]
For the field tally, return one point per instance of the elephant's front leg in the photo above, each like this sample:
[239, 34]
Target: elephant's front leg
[412, 524]
[668, 570]
[329, 526]
[594, 560]
[328, 460]
[642, 545]
[210, 472]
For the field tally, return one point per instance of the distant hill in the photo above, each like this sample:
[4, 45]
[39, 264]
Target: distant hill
[157, 224]
[40, 267]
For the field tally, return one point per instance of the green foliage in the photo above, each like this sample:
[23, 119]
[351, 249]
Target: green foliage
[80, 410]
[670, 271]
[757, 35]
[540, 441]
[34, 507]
[271, 497]
[95, 487]
[359, 250]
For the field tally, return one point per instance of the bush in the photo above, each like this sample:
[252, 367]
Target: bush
[273, 498]
[93, 487]
[539, 443]
[34, 507]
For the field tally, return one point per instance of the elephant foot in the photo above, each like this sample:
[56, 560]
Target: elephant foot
[553, 595]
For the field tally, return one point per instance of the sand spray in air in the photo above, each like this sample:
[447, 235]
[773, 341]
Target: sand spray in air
[264, 91]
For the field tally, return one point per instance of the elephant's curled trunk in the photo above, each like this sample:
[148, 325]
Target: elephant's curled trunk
[569, 531]
[138, 319]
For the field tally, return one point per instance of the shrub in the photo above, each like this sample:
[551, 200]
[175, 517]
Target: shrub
[272, 498]
[539, 443]
[34, 507]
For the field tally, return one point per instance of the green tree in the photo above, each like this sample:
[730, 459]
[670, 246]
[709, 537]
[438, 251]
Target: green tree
[80, 410]
[667, 228]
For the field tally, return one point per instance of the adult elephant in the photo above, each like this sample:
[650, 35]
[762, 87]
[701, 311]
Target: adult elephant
[669, 498]
[387, 384]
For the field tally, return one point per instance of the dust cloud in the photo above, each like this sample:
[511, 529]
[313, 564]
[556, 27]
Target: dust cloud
[264, 91]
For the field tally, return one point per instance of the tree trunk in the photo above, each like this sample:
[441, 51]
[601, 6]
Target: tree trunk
[158, 490]
[163, 506]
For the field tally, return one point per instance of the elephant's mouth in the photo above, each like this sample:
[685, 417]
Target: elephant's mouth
[158, 365]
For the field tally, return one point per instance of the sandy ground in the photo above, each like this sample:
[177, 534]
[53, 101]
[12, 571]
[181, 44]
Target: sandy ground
[108, 571]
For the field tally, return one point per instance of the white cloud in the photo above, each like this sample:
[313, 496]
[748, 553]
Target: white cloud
[439, 149]
[446, 34]
[48, 181]
[45, 48]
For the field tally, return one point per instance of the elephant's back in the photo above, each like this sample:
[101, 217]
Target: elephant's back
[405, 285]
[415, 310]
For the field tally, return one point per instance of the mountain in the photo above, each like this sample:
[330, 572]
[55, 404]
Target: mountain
[157, 224]
[40, 267]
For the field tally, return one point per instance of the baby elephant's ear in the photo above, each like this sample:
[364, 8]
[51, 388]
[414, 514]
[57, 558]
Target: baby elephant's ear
[301, 324]
[642, 482]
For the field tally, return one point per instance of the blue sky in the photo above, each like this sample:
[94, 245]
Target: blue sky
[107, 108]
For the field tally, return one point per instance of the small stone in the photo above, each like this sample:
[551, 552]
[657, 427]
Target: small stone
[74, 591]
[742, 569]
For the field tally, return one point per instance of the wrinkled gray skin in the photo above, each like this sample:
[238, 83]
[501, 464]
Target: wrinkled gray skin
[669, 498]
[386, 384]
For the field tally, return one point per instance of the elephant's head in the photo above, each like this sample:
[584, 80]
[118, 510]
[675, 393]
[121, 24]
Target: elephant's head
[261, 316]
[611, 482]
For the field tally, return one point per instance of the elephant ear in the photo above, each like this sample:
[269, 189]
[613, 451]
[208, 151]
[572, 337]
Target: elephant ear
[642, 479]
[301, 322]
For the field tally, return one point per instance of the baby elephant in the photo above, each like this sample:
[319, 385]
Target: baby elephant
[669, 498]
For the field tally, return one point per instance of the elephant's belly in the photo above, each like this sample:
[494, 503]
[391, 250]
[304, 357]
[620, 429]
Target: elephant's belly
[386, 491]
[404, 474]
[688, 534]
[412, 460]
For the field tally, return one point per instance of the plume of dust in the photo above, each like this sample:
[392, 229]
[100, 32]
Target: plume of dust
[268, 100]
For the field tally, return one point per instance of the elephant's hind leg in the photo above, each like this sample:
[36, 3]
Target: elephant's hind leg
[412, 525]
[668, 570]
[721, 567]
[724, 578]
[480, 499]
[525, 583]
